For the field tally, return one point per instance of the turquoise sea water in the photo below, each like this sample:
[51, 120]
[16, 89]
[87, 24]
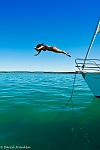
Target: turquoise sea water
[35, 113]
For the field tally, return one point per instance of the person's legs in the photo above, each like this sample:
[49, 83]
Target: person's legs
[54, 49]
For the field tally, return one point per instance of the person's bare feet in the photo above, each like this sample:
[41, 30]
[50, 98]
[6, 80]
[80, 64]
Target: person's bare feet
[68, 54]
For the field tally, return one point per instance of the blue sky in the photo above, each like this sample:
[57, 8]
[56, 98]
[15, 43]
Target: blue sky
[68, 25]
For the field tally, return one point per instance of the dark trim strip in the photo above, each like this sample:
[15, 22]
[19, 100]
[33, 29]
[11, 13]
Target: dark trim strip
[97, 96]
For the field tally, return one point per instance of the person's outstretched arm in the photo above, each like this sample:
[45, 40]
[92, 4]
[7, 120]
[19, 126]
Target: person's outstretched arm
[37, 53]
[39, 48]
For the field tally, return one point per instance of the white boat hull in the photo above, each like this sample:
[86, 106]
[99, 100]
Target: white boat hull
[93, 81]
[90, 68]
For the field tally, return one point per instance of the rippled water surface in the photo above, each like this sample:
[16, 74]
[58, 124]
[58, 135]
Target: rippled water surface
[36, 110]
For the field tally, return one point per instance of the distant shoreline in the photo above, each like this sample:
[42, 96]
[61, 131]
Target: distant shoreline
[47, 72]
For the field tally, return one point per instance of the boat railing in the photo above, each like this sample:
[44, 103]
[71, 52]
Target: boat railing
[91, 65]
